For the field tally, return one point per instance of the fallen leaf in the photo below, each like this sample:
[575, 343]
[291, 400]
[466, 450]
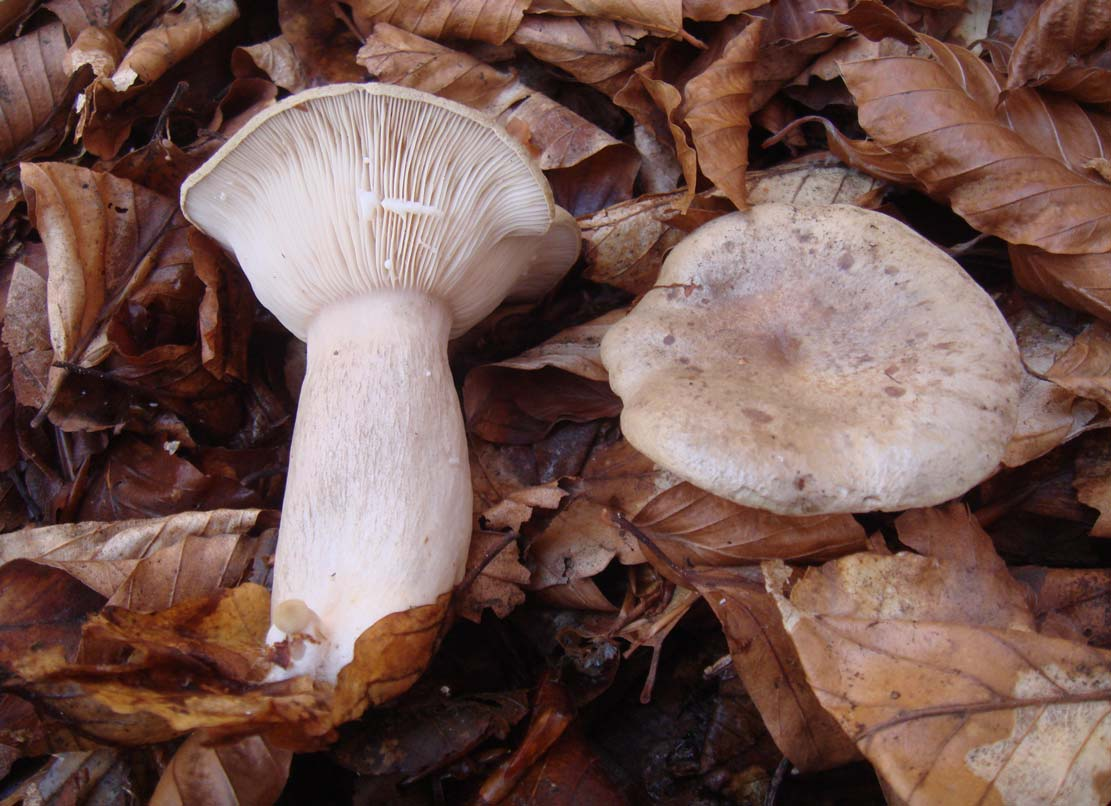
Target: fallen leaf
[250, 771]
[101, 235]
[322, 42]
[953, 144]
[276, 59]
[26, 336]
[717, 10]
[598, 52]
[1058, 34]
[1048, 414]
[34, 91]
[1093, 483]
[499, 585]
[1084, 367]
[660, 16]
[552, 712]
[692, 527]
[517, 507]
[947, 705]
[716, 105]
[41, 606]
[769, 667]
[77, 15]
[492, 21]
[415, 740]
[227, 312]
[1079, 597]
[569, 773]
[96, 47]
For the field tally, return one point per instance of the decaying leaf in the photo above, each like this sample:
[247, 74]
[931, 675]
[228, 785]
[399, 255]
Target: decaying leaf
[276, 59]
[951, 697]
[598, 52]
[492, 21]
[1059, 32]
[1093, 483]
[34, 90]
[248, 771]
[499, 585]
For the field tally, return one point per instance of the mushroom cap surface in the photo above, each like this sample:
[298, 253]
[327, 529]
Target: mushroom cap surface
[338, 191]
[817, 359]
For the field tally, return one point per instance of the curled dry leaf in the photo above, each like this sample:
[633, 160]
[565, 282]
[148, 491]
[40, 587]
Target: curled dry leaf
[99, 48]
[560, 140]
[517, 507]
[1085, 367]
[274, 58]
[35, 92]
[519, 400]
[765, 660]
[1048, 414]
[1058, 34]
[598, 52]
[250, 772]
[492, 21]
[323, 43]
[101, 235]
[716, 105]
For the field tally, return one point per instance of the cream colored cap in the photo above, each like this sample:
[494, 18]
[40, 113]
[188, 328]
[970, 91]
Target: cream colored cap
[817, 359]
[344, 189]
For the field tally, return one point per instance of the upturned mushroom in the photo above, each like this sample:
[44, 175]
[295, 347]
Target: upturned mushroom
[375, 222]
[816, 360]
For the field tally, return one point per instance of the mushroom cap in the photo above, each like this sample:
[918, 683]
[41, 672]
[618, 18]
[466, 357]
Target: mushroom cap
[817, 359]
[344, 189]
[551, 261]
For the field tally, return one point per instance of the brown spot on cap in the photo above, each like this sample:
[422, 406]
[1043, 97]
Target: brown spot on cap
[669, 339]
[757, 416]
[894, 391]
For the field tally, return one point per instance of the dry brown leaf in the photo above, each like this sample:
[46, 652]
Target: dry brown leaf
[227, 311]
[1071, 602]
[499, 585]
[517, 507]
[1093, 482]
[27, 336]
[1058, 34]
[492, 21]
[659, 16]
[323, 43]
[716, 108]
[40, 607]
[1085, 368]
[693, 527]
[716, 10]
[519, 400]
[947, 705]
[248, 772]
[570, 773]
[178, 34]
[565, 145]
[1078, 281]
[34, 91]
[601, 53]
[101, 235]
[389, 657]
[77, 15]
[1048, 414]
[578, 594]
[99, 48]
[953, 144]
[274, 58]
[655, 104]
[766, 661]
[973, 576]
[583, 538]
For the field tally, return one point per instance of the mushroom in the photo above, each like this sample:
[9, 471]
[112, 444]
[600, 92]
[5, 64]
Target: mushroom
[375, 222]
[818, 359]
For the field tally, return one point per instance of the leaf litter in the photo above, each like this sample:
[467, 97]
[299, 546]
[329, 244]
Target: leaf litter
[625, 637]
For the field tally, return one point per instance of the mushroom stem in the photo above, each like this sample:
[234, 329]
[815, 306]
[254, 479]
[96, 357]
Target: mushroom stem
[377, 511]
